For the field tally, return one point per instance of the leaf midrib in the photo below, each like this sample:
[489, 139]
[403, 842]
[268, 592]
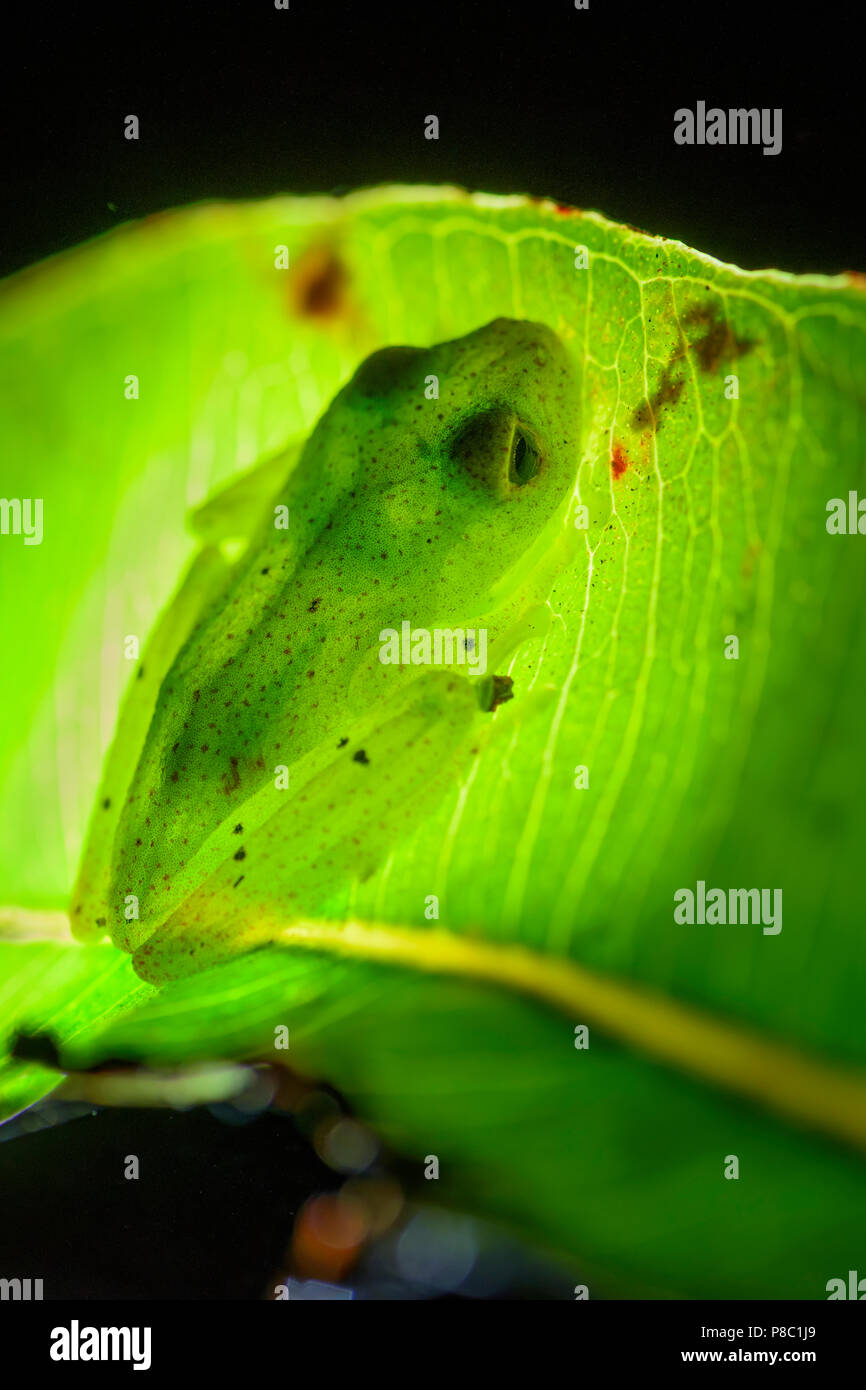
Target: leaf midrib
[814, 1094]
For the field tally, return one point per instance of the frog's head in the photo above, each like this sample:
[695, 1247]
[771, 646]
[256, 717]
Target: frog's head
[460, 456]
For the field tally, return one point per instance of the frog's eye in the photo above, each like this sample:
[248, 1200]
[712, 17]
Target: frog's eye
[498, 450]
[524, 462]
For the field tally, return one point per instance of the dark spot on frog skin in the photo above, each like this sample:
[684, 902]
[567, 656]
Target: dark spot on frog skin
[140, 673]
[314, 605]
[241, 853]
[342, 743]
[101, 921]
[237, 881]
[238, 830]
[231, 780]
[360, 757]
[106, 803]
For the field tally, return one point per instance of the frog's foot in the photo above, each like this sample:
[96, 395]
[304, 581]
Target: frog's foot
[494, 691]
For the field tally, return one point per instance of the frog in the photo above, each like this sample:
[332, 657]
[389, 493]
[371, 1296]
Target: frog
[265, 753]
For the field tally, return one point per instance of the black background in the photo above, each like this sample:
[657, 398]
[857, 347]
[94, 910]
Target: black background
[242, 101]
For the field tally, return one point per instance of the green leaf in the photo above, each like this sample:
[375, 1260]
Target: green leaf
[50, 986]
[706, 519]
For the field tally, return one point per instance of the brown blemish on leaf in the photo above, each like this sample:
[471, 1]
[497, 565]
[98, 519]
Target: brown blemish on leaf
[670, 388]
[713, 344]
[718, 342]
[319, 284]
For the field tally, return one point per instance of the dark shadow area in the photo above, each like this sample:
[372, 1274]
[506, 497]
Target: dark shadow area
[246, 101]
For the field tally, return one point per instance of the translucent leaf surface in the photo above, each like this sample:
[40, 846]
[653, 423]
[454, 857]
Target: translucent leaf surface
[721, 411]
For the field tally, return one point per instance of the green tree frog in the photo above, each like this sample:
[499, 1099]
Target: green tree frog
[265, 754]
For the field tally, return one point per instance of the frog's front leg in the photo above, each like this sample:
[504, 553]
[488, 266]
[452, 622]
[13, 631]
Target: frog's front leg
[235, 511]
[386, 773]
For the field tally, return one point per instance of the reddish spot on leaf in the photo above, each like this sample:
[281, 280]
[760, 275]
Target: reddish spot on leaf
[619, 461]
